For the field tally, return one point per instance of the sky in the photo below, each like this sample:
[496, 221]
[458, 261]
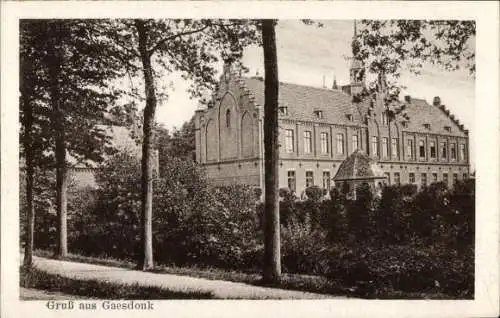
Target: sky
[309, 55]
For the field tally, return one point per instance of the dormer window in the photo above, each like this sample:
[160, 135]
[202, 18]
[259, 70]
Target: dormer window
[283, 110]
[349, 117]
[318, 113]
[447, 128]
[427, 126]
[404, 124]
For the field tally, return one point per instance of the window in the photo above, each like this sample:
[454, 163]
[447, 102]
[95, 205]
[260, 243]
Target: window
[423, 179]
[411, 177]
[318, 113]
[445, 178]
[453, 151]
[289, 144]
[421, 149]
[228, 118]
[394, 147]
[434, 177]
[283, 110]
[465, 176]
[385, 146]
[340, 143]
[405, 124]
[375, 146]
[427, 126]
[354, 142]
[291, 180]
[447, 128]
[409, 148]
[349, 117]
[385, 120]
[324, 142]
[307, 141]
[387, 177]
[326, 180]
[443, 150]
[455, 178]
[397, 178]
[433, 149]
[462, 152]
[309, 179]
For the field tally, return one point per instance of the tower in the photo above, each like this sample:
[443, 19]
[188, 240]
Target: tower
[357, 68]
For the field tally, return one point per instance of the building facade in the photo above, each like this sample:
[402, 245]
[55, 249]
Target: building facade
[320, 127]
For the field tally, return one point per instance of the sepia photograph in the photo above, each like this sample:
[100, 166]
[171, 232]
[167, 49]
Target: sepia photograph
[245, 159]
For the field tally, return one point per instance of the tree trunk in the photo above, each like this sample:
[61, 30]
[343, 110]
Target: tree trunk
[55, 62]
[28, 153]
[272, 262]
[146, 259]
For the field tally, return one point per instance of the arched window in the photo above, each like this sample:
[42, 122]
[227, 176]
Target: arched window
[228, 118]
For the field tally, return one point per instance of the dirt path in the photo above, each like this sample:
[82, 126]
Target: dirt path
[218, 288]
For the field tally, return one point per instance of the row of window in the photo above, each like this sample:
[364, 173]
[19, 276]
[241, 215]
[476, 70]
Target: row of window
[422, 149]
[292, 183]
[324, 142]
[423, 178]
[432, 152]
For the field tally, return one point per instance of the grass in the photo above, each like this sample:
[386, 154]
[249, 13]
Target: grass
[298, 282]
[32, 278]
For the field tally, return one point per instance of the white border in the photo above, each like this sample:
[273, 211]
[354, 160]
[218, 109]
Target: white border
[487, 161]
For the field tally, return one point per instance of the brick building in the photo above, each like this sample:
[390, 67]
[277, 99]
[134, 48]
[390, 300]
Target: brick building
[320, 127]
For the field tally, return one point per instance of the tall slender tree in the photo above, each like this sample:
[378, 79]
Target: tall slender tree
[66, 91]
[272, 255]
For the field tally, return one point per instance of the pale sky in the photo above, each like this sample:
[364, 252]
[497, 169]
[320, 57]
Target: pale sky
[306, 54]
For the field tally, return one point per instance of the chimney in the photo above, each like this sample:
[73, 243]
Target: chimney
[408, 99]
[324, 81]
[436, 101]
[335, 86]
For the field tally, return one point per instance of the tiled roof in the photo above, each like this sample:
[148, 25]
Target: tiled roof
[420, 112]
[358, 166]
[301, 102]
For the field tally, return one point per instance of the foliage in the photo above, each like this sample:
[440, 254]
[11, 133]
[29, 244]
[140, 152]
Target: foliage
[359, 212]
[192, 221]
[300, 250]
[315, 193]
[83, 83]
[386, 44]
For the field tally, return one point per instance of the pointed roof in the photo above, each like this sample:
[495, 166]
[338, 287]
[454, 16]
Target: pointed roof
[358, 166]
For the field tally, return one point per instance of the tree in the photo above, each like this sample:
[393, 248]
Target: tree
[70, 63]
[385, 46]
[164, 46]
[183, 141]
[272, 255]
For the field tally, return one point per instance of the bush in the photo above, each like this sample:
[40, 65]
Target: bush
[193, 223]
[407, 268]
[315, 193]
[303, 248]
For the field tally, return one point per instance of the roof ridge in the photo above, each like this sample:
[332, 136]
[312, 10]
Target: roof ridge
[297, 84]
